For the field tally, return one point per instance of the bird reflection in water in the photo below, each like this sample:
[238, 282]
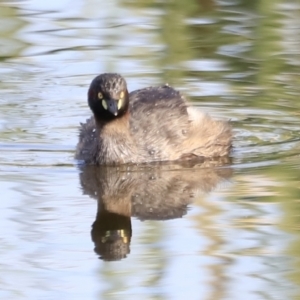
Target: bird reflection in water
[147, 192]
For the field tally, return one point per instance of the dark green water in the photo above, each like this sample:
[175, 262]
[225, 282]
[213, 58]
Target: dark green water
[207, 232]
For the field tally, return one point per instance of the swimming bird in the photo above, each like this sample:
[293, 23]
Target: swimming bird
[152, 124]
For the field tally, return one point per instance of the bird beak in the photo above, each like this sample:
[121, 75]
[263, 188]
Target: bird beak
[112, 106]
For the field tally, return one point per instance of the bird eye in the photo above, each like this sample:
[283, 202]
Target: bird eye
[100, 95]
[121, 95]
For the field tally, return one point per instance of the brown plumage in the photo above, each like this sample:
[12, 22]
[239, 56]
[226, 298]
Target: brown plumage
[149, 125]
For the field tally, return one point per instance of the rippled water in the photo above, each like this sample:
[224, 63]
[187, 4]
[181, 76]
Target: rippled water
[199, 232]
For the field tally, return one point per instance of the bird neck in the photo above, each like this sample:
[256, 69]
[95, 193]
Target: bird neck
[117, 125]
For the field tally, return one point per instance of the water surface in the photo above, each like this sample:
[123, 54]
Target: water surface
[214, 231]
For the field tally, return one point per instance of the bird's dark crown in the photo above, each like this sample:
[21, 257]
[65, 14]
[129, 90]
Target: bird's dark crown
[108, 97]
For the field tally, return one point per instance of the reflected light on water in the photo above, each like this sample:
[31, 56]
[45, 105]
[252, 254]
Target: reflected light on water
[211, 231]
